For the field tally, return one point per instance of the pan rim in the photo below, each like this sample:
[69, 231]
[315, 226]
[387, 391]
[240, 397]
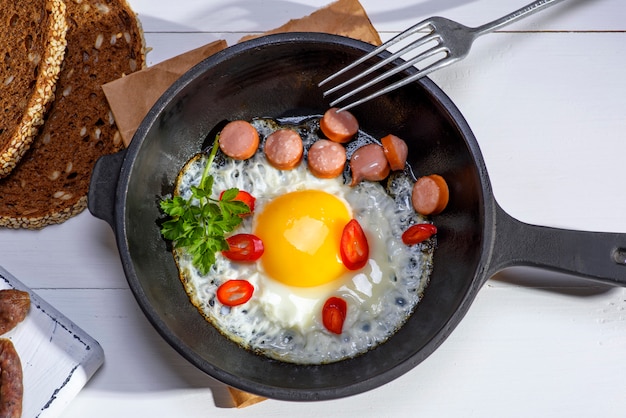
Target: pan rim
[295, 394]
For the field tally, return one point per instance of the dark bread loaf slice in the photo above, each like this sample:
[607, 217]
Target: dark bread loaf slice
[33, 44]
[104, 42]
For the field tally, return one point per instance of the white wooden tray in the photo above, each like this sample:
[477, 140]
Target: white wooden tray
[57, 357]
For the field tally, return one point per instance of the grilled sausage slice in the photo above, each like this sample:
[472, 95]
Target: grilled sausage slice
[239, 140]
[326, 159]
[430, 195]
[283, 149]
[339, 126]
[369, 163]
[396, 151]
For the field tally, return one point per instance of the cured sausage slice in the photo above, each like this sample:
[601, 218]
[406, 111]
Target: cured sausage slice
[239, 140]
[326, 159]
[369, 163]
[339, 126]
[430, 195]
[11, 381]
[14, 305]
[283, 149]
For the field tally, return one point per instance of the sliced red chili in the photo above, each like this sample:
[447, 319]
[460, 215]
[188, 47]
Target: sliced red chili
[418, 233]
[244, 247]
[234, 292]
[244, 197]
[354, 248]
[334, 314]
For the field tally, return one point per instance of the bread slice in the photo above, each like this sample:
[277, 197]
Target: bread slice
[33, 44]
[104, 42]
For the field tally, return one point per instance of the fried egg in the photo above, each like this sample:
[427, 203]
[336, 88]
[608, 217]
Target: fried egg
[300, 218]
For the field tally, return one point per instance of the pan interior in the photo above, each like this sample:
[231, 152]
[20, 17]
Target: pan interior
[272, 77]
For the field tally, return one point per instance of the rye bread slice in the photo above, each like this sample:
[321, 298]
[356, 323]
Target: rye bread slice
[104, 42]
[33, 44]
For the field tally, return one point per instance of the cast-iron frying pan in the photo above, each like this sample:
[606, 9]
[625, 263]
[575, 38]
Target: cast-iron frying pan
[278, 75]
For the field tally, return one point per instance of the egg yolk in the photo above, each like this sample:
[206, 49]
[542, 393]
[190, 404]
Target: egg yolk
[301, 232]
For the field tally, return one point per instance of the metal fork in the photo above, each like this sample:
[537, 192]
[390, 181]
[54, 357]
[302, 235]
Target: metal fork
[452, 40]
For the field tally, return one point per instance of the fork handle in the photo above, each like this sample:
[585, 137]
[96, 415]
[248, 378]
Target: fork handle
[527, 10]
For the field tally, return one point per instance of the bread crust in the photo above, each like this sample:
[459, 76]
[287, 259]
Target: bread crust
[50, 185]
[46, 58]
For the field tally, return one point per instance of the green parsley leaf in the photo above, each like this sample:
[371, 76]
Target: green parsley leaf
[199, 224]
[229, 195]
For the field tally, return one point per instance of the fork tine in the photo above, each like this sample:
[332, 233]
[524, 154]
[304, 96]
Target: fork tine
[422, 73]
[416, 44]
[452, 38]
[426, 54]
[415, 28]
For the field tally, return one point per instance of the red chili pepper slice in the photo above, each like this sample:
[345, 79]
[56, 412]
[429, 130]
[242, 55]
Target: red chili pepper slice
[244, 197]
[354, 248]
[235, 292]
[334, 314]
[418, 233]
[244, 247]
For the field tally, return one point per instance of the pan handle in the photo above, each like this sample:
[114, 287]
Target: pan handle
[598, 256]
[102, 187]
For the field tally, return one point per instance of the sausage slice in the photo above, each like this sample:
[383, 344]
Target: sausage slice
[430, 195]
[369, 163]
[239, 140]
[326, 159]
[14, 305]
[11, 380]
[339, 126]
[396, 151]
[283, 149]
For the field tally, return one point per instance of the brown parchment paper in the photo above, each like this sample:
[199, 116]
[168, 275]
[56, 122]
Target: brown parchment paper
[132, 96]
[343, 17]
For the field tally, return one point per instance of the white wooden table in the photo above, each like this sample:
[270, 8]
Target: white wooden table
[546, 99]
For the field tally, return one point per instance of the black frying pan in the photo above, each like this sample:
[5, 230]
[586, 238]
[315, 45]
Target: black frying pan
[278, 75]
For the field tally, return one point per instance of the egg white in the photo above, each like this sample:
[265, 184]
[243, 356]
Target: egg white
[284, 322]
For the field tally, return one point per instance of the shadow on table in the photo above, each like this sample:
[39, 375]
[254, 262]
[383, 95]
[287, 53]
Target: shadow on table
[424, 9]
[132, 346]
[551, 281]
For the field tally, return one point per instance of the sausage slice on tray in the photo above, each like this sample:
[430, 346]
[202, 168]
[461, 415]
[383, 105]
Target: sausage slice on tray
[11, 381]
[14, 305]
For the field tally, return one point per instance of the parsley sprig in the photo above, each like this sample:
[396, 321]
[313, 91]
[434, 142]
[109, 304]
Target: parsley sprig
[198, 224]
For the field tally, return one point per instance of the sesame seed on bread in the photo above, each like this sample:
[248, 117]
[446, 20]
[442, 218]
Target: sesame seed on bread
[33, 44]
[50, 184]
